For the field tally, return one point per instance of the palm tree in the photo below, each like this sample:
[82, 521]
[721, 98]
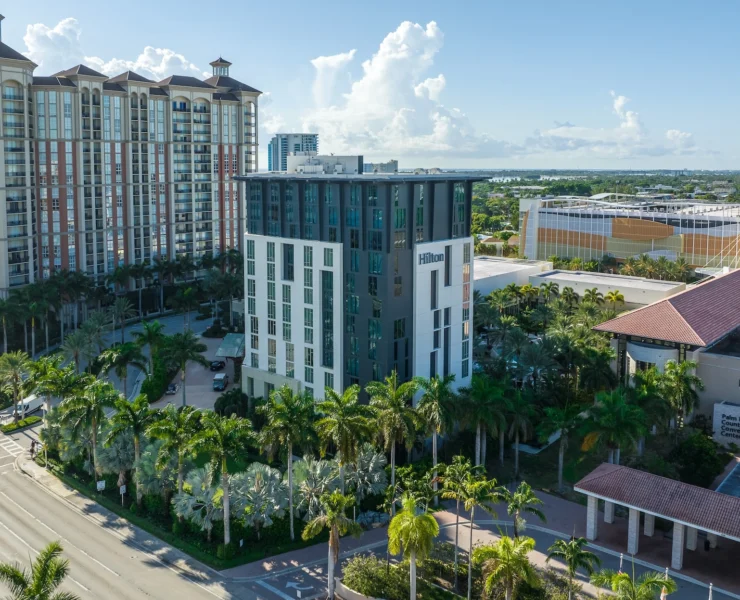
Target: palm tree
[182, 349]
[614, 297]
[14, 369]
[569, 296]
[575, 557]
[76, 346]
[333, 518]
[454, 481]
[35, 310]
[85, 413]
[313, 478]
[594, 296]
[522, 413]
[184, 301]
[176, 428]
[289, 423]
[223, 438]
[121, 310]
[119, 278]
[139, 272]
[8, 312]
[549, 290]
[345, 423]
[395, 419]
[259, 495]
[486, 410]
[119, 358]
[435, 408]
[563, 420]
[595, 371]
[647, 393]
[478, 492]
[613, 422]
[413, 530]
[132, 418]
[625, 587]
[522, 500]
[199, 502]
[47, 573]
[367, 477]
[680, 386]
[44, 373]
[152, 335]
[95, 328]
[506, 563]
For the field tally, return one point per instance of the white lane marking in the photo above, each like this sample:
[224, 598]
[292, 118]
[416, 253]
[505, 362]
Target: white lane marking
[11, 447]
[59, 535]
[274, 590]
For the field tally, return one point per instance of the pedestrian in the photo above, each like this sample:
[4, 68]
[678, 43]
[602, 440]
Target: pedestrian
[33, 449]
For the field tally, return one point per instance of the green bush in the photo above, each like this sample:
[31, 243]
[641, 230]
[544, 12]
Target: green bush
[225, 551]
[698, 459]
[233, 402]
[370, 576]
[27, 422]
[156, 383]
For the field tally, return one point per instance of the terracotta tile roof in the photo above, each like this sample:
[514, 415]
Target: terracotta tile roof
[699, 316]
[705, 509]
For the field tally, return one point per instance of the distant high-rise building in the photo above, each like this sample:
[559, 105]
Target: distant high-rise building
[390, 166]
[310, 163]
[283, 144]
[100, 172]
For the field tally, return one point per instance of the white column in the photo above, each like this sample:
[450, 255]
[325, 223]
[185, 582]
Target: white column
[649, 525]
[691, 535]
[592, 518]
[678, 543]
[633, 531]
[712, 537]
[608, 512]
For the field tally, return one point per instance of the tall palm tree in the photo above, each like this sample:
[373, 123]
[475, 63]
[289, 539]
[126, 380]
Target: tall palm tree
[76, 346]
[184, 301]
[14, 369]
[85, 413]
[313, 479]
[119, 358]
[140, 272]
[613, 422]
[537, 360]
[152, 335]
[594, 296]
[506, 563]
[122, 310]
[95, 328]
[177, 429]
[614, 297]
[199, 501]
[569, 296]
[47, 573]
[224, 438]
[184, 348]
[595, 371]
[413, 530]
[344, 423]
[575, 556]
[289, 423]
[646, 392]
[164, 269]
[522, 500]
[625, 587]
[564, 420]
[457, 476]
[132, 418]
[681, 386]
[333, 518]
[485, 409]
[35, 310]
[436, 408]
[119, 278]
[395, 418]
[44, 373]
[522, 414]
[549, 290]
[8, 312]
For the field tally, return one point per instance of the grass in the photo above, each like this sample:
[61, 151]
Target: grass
[22, 424]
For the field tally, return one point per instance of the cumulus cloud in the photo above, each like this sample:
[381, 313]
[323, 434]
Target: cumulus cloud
[394, 108]
[270, 122]
[680, 139]
[156, 63]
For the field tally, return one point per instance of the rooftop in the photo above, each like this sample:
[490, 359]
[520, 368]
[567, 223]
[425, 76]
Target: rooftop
[688, 504]
[623, 281]
[380, 177]
[491, 266]
[699, 316]
[8, 53]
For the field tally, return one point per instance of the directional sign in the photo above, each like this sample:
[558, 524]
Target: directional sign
[101, 485]
[123, 490]
[297, 586]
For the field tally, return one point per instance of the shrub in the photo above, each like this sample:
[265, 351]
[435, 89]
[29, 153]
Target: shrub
[699, 459]
[156, 383]
[370, 576]
[27, 422]
[225, 551]
[233, 402]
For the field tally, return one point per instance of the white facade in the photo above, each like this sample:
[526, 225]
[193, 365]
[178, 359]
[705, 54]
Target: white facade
[494, 273]
[284, 316]
[283, 144]
[310, 163]
[386, 167]
[446, 311]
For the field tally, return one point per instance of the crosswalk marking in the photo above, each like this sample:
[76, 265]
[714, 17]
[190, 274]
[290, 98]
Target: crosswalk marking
[11, 447]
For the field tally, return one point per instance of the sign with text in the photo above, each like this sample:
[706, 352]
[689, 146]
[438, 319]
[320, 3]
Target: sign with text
[430, 257]
[727, 424]
[101, 486]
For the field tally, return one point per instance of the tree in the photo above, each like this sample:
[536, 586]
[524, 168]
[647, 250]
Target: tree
[595, 369]
[177, 429]
[184, 301]
[537, 360]
[614, 297]
[522, 500]
[119, 278]
[564, 421]
[183, 348]
[85, 413]
[117, 455]
[313, 478]
[522, 413]
[412, 530]
[199, 502]
[435, 410]
[35, 309]
[259, 495]
[47, 573]
[367, 477]
[152, 335]
[395, 419]
[594, 296]
[76, 346]
[44, 375]
[333, 518]
[132, 418]
[345, 423]
[680, 386]
[613, 422]
[165, 269]
[549, 290]
[575, 557]
[119, 358]
[569, 296]
[506, 563]
[140, 272]
[14, 368]
[223, 438]
[95, 328]
[289, 423]
[122, 310]
[8, 312]
[485, 409]
[625, 587]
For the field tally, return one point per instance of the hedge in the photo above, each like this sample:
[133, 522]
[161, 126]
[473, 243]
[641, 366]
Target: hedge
[27, 422]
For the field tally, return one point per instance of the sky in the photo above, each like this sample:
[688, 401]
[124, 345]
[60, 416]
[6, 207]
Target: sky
[477, 84]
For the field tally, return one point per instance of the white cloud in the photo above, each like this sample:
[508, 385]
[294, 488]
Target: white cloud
[431, 88]
[328, 69]
[156, 63]
[680, 139]
[270, 122]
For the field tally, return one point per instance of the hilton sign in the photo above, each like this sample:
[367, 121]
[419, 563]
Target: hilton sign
[429, 257]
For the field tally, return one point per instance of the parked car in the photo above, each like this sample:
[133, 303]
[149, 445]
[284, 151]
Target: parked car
[217, 365]
[220, 382]
[172, 389]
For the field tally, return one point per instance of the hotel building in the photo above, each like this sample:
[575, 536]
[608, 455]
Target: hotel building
[99, 172]
[349, 277]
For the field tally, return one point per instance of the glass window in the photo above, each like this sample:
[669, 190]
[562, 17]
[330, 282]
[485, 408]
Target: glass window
[286, 293]
[307, 256]
[372, 285]
[375, 263]
[328, 257]
[329, 380]
[399, 329]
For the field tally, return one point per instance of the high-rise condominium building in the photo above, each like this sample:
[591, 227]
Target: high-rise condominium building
[100, 171]
[283, 144]
[350, 277]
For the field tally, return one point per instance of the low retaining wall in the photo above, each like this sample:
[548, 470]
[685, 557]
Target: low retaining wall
[343, 592]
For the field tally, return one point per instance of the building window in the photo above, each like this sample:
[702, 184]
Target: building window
[327, 321]
[307, 256]
[465, 368]
[372, 285]
[328, 257]
[307, 296]
[466, 253]
[271, 251]
[288, 262]
[329, 380]
[307, 335]
[432, 364]
[255, 342]
[375, 263]
[286, 293]
[286, 332]
[255, 360]
[433, 290]
[399, 329]
[448, 266]
[377, 222]
[377, 308]
[397, 285]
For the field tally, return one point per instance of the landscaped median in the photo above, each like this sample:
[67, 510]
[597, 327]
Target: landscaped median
[22, 424]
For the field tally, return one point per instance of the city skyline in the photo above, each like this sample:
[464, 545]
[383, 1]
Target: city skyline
[549, 87]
